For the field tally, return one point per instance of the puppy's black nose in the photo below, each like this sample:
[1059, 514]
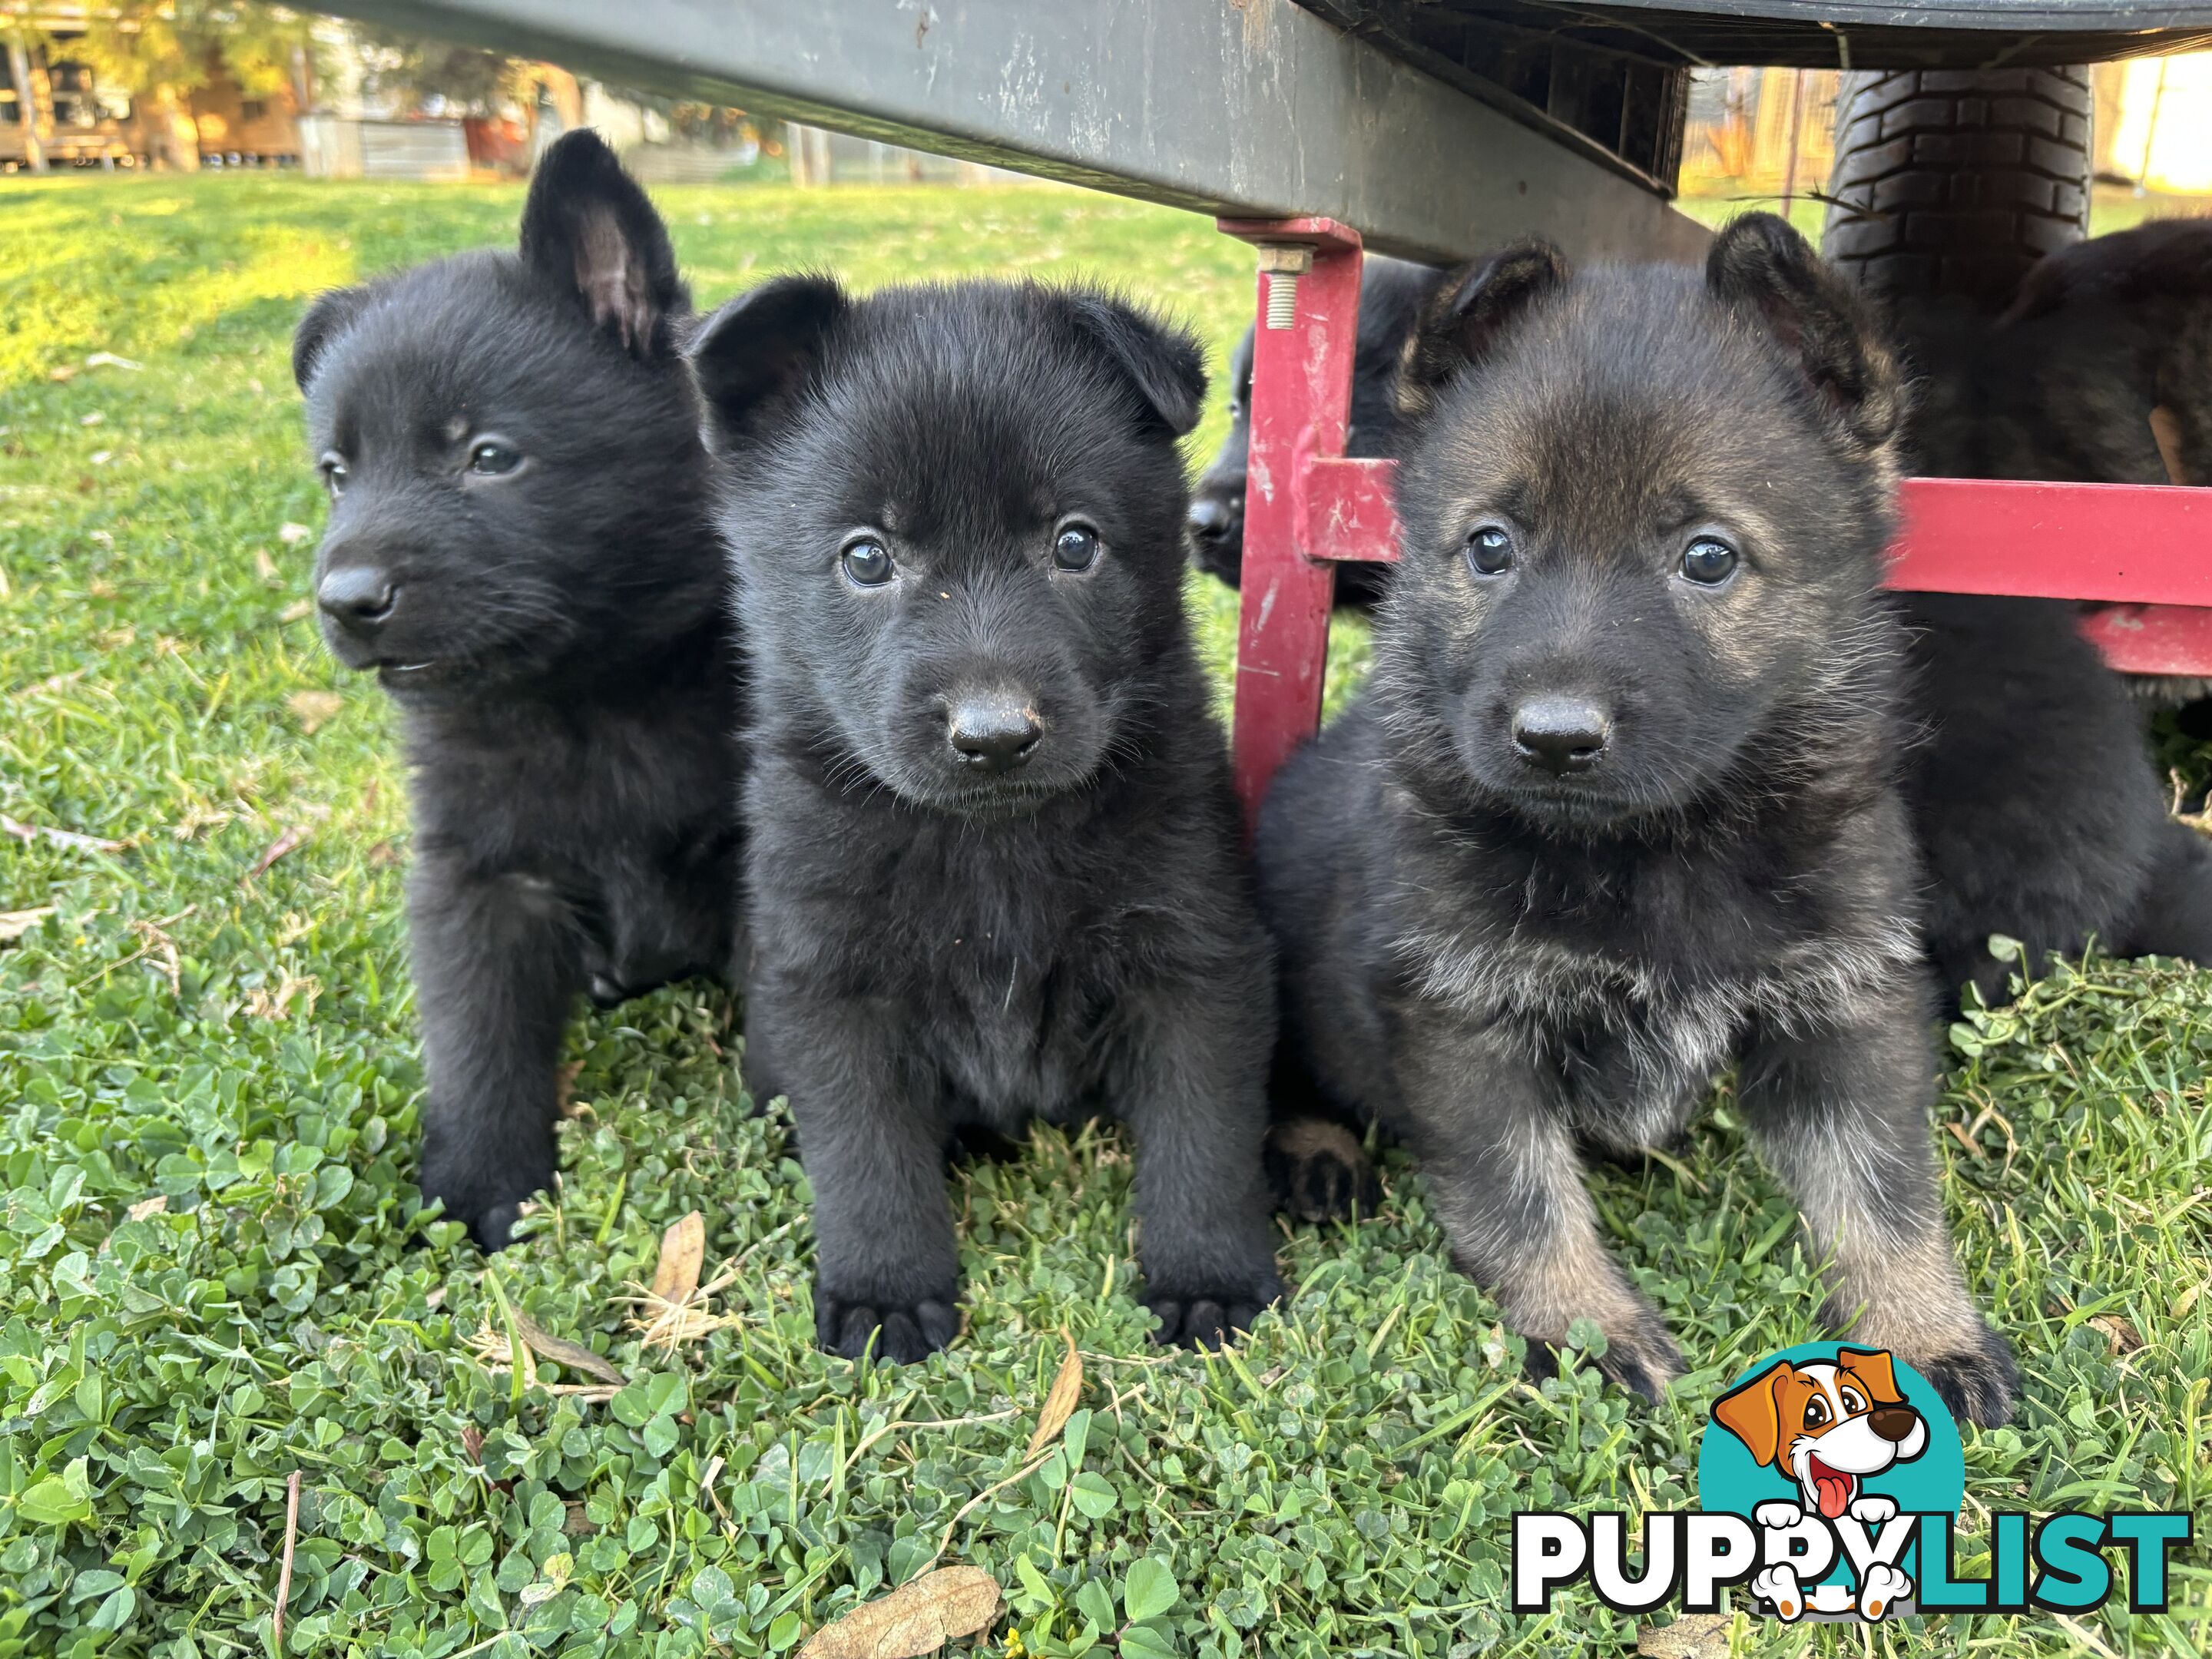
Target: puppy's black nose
[1560, 734]
[1211, 520]
[1893, 1423]
[993, 734]
[357, 596]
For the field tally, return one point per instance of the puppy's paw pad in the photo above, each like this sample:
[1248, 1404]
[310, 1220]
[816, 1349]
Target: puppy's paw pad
[1979, 1386]
[1320, 1172]
[899, 1333]
[1872, 1509]
[1777, 1587]
[493, 1229]
[1882, 1589]
[1209, 1320]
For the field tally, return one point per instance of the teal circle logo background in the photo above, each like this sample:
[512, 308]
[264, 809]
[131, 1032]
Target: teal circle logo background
[1730, 1479]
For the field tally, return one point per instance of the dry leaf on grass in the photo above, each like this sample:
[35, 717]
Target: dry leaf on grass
[293, 534]
[264, 1003]
[913, 1619]
[674, 1309]
[497, 1352]
[683, 1253]
[29, 832]
[298, 611]
[14, 924]
[315, 710]
[1693, 1636]
[2119, 1333]
[1060, 1401]
[289, 842]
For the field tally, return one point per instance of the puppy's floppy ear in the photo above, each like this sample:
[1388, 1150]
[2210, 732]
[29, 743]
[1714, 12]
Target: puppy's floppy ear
[1874, 1370]
[1762, 264]
[590, 229]
[1462, 319]
[1753, 1413]
[758, 347]
[330, 315]
[1164, 362]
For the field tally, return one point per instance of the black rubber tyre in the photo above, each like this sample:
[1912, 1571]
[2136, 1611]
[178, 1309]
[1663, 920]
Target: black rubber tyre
[1949, 184]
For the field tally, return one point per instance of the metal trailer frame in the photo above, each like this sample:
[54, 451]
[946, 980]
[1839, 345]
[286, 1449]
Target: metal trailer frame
[1313, 143]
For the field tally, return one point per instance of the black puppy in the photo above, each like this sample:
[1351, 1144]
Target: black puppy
[1625, 776]
[2037, 808]
[1390, 295]
[992, 852]
[520, 547]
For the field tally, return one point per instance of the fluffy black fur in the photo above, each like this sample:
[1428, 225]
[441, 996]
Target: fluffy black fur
[993, 851]
[1626, 822]
[520, 547]
[2038, 811]
[1391, 292]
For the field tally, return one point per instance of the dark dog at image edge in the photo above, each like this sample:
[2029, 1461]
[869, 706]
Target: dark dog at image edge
[520, 547]
[992, 860]
[1391, 292]
[1625, 779]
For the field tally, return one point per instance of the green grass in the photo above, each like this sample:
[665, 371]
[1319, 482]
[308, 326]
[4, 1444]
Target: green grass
[241, 1046]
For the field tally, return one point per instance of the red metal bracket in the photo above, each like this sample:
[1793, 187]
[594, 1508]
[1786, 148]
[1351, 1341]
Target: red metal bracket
[2145, 551]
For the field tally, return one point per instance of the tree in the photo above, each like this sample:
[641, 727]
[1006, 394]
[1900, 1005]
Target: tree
[24, 35]
[161, 52]
[409, 71]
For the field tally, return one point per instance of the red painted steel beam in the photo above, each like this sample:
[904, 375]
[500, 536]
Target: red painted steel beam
[1303, 342]
[2129, 543]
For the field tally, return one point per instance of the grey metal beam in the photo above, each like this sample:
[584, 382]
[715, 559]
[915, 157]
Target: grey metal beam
[1257, 109]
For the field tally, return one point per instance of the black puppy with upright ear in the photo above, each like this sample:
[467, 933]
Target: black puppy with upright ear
[1625, 776]
[992, 865]
[521, 549]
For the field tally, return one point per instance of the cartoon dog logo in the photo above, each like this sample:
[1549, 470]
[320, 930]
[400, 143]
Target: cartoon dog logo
[1828, 1427]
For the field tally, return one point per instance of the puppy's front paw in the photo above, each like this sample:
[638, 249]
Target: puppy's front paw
[488, 1203]
[1979, 1382]
[1777, 1516]
[1883, 1587]
[1872, 1509]
[1777, 1587]
[1318, 1171]
[901, 1332]
[1205, 1319]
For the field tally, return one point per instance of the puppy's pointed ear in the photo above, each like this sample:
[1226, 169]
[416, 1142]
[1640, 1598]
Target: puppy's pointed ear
[1761, 265]
[754, 351]
[1463, 318]
[330, 315]
[1162, 361]
[590, 229]
[1753, 1413]
[1874, 1370]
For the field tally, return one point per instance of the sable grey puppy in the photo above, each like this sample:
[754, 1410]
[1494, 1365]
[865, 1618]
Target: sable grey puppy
[520, 547]
[1625, 776]
[1390, 295]
[993, 867]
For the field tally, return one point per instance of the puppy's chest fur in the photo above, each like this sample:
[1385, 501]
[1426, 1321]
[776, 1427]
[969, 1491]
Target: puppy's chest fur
[622, 821]
[1634, 973]
[1002, 951]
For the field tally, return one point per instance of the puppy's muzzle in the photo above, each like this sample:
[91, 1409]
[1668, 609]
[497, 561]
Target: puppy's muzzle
[993, 733]
[1560, 734]
[358, 597]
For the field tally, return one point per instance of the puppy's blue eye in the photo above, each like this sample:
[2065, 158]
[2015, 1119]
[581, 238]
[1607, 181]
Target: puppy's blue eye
[1489, 550]
[868, 563]
[493, 460]
[1708, 561]
[1076, 547]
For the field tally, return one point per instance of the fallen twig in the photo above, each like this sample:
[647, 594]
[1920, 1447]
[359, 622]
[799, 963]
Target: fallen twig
[284, 1573]
[30, 832]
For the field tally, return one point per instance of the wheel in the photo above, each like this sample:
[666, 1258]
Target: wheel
[1949, 184]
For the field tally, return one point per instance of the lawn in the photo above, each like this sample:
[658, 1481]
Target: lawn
[217, 1277]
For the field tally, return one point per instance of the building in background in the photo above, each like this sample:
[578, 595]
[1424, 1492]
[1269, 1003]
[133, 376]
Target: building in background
[1770, 132]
